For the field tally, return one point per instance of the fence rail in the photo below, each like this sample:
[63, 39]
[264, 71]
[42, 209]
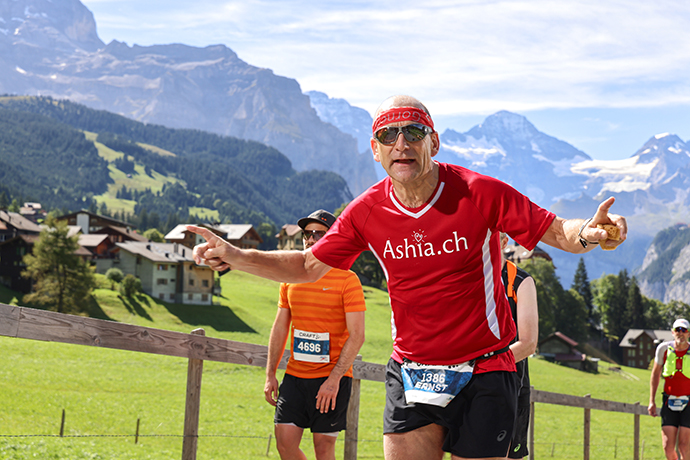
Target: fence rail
[28, 323]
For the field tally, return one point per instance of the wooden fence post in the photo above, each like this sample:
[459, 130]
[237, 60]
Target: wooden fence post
[352, 427]
[636, 441]
[588, 421]
[191, 413]
[62, 424]
[531, 429]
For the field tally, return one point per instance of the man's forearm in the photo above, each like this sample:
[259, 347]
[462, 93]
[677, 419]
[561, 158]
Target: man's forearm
[347, 356]
[281, 266]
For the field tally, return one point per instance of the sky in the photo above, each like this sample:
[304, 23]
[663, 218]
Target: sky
[602, 75]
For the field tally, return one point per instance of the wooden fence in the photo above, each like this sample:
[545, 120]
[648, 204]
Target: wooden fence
[27, 323]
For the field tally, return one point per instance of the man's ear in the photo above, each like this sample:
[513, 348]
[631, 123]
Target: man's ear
[435, 143]
[375, 150]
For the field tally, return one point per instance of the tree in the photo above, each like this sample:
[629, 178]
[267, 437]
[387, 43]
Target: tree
[267, 232]
[130, 286]
[62, 280]
[559, 310]
[672, 311]
[634, 306]
[114, 274]
[584, 289]
[154, 235]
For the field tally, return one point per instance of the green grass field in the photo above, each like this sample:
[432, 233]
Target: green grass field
[104, 392]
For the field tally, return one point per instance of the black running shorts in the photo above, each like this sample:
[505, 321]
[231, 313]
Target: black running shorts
[297, 404]
[674, 418]
[479, 420]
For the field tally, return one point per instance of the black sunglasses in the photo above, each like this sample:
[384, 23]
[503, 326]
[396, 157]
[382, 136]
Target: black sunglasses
[316, 234]
[413, 133]
[681, 329]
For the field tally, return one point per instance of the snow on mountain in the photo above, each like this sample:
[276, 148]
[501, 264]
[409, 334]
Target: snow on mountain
[507, 146]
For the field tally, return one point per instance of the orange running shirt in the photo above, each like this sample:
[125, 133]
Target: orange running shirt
[317, 308]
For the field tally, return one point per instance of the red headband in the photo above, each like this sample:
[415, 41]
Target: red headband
[397, 114]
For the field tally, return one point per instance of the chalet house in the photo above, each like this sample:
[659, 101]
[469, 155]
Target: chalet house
[243, 236]
[639, 346]
[561, 349]
[167, 272]
[516, 253]
[12, 253]
[290, 237]
[13, 224]
[17, 237]
[91, 223]
[33, 212]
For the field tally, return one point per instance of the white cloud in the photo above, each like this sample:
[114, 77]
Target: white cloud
[458, 57]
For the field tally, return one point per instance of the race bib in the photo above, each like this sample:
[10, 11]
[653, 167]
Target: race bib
[313, 347]
[677, 403]
[434, 384]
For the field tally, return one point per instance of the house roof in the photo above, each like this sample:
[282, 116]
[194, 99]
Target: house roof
[107, 219]
[28, 239]
[515, 251]
[158, 252]
[82, 251]
[235, 231]
[91, 241]
[660, 335]
[123, 231]
[290, 229]
[177, 233]
[559, 336]
[16, 220]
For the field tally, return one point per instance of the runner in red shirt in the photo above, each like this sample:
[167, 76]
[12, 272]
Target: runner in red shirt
[434, 228]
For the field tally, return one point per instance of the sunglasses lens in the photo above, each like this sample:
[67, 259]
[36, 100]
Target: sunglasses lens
[681, 329]
[412, 133]
[316, 234]
[387, 136]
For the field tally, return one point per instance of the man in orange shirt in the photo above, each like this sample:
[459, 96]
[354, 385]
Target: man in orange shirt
[325, 322]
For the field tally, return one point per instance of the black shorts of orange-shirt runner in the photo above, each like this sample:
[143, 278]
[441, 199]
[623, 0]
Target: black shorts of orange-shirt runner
[672, 417]
[479, 420]
[297, 404]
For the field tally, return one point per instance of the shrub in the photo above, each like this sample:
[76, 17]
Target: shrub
[130, 286]
[114, 274]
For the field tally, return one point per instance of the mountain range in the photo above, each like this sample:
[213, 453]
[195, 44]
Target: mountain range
[52, 48]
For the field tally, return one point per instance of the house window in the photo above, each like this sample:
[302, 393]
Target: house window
[191, 282]
[162, 267]
[172, 296]
[204, 297]
[161, 296]
[204, 283]
[632, 352]
[160, 281]
[190, 296]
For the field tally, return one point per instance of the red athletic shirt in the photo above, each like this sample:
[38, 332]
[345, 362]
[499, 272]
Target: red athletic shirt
[677, 384]
[442, 262]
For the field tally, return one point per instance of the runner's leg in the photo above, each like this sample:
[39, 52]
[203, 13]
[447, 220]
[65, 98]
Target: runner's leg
[425, 442]
[288, 438]
[668, 441]
[684, 442]
[324, 446]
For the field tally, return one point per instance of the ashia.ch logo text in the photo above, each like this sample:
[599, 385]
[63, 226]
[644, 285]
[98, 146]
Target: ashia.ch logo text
[417, 246]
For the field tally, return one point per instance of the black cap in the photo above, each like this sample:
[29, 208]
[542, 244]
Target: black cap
[320, 217]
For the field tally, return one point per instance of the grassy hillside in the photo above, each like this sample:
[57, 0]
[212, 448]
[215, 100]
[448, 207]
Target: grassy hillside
[105, 391]
[66, 155]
